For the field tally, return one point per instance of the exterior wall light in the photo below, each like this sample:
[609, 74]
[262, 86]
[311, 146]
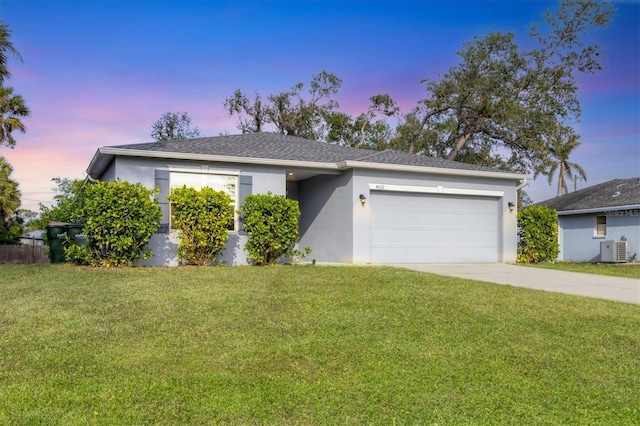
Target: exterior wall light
[363, 199]
[511, 206]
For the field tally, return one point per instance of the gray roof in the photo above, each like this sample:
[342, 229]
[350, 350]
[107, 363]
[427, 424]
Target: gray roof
[273, 146]
[611, 194]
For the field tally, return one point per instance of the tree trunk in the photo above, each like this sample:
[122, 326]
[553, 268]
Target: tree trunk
[561, 183]
[460, 143]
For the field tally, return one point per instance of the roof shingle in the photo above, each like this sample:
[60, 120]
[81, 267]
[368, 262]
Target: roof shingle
[614, 193]
[291, 148]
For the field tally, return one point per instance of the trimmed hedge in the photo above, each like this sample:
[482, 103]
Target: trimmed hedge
[271, 222]
[537, 235]
[119, 219]
[204, 218]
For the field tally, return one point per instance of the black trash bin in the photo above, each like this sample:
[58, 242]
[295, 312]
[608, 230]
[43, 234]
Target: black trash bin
[75, 234]
[56, 233]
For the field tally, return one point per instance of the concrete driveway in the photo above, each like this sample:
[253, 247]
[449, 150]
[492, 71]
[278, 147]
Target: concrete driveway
[590, 285]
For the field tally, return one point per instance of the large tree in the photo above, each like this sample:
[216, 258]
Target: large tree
[501, 104]
[12, 106]
[367, 130]
[314, 114]
[69, 201]
[174, 126]
[252, 114]
[560, 150]
[6, 50]
[12, 111]
[295, 112]
[9, 203]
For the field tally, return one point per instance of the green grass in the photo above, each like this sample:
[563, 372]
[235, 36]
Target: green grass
[307, 345]
[625, 270]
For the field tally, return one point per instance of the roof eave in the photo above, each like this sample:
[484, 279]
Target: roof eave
[343, 165]
[98, 163]
[104, 156]
[597, 210]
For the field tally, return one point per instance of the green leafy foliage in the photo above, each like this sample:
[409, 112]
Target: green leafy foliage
[296, 112]
[271, 222]
[12, 110]
[537, 235]
[79, 255]
[173, 126]
[560, 150]
[10, 223]
[6, 49]
[18, 223]
[12, 106]
[204, 218]
[119, 219]
[69, 201]
[10, 232]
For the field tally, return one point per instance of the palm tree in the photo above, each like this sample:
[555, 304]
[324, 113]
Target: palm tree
[9, 193]
[560, 152]
[12, 109]
[6, 49]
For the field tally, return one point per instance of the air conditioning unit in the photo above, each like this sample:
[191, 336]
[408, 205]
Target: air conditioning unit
[613, 251]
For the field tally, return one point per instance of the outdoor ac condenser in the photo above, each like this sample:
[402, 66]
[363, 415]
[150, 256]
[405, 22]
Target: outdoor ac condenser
[613, 251]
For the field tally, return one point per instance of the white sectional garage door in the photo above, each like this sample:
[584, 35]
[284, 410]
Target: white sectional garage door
[432, 228]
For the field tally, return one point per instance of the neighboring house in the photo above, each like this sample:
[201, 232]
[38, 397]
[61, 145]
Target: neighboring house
[606, 212]
[358, 206]
[33, 238]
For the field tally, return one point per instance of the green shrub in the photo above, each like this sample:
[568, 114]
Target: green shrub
[80, 255]
[537, 235]
[271, 222]
[69, 199]
[11, 230]
[119, 219]
[204, 218]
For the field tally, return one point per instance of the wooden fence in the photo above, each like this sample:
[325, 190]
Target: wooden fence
[26, 253]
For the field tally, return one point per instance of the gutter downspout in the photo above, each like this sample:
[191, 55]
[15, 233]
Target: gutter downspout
[522, 184]
[87, 179]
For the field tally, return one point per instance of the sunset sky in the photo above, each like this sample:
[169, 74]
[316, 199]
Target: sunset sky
[98, 73]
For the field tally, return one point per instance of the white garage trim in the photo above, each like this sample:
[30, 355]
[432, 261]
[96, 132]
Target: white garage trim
[435, 190]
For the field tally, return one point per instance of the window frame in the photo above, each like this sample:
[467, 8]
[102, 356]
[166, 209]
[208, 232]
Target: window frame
[600, 228]
[203, 174]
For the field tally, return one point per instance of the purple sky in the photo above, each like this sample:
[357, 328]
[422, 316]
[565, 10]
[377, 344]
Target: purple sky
[99, 73]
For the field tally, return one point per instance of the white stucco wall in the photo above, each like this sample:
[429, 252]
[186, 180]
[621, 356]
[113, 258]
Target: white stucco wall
[337, 226]
[578, 242]
[326, 223]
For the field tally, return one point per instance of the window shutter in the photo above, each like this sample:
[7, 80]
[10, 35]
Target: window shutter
[162, 182]
[245, 183]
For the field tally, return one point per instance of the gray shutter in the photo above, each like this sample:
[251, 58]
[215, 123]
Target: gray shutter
[162, 182]
[245, 183]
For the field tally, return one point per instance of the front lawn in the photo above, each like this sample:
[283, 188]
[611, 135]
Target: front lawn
[307, 345]
[625, 270]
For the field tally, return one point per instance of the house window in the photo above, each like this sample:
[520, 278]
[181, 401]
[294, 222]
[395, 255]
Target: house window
[601, 226]
[218, 182]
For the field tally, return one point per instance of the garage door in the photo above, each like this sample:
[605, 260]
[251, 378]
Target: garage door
[432, 228]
